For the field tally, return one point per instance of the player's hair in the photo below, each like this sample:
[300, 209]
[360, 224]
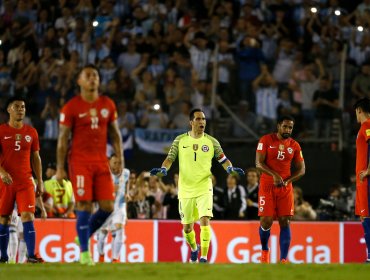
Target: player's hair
[191, 115]
[255, 170]
[285, 118]
[88, 66]
[14, 98]
[363, 104]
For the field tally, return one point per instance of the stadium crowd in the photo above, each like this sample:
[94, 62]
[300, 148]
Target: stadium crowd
[273, 57]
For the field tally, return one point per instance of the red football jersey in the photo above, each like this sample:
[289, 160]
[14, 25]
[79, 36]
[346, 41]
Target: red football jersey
[279, 155]
[362, 147]
[16, 148]
[89, 125]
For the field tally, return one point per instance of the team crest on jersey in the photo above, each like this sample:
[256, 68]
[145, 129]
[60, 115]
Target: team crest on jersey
[195, 147]
[93, 112]
[205, 148]
[290, 150]
[104, 113]
[28, 138]
[281, 147]
[80, 192]
[18, 137]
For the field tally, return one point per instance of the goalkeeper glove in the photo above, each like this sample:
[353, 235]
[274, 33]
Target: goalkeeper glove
[235, 170]
[158, 172]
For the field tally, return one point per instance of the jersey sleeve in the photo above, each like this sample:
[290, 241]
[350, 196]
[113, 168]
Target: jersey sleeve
[174, 150]
[35, 143]
[298, 155]
[66, 115]
[366, 131]
[262, 145]
[219, 153]
[113, 116]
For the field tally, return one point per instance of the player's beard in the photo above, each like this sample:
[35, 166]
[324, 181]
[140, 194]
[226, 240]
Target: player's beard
[285, 135]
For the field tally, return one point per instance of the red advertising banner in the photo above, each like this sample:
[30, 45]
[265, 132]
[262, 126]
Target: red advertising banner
[354, 243]
[238, 242]
[55, 241]
[232, 242]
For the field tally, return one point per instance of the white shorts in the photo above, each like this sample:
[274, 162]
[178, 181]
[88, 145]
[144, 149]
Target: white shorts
[118, 216]
[15, 221]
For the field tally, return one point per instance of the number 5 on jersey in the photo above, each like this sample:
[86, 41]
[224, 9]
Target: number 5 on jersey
[17, 145]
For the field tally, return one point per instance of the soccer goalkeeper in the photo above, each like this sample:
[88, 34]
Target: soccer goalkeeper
[195, 150]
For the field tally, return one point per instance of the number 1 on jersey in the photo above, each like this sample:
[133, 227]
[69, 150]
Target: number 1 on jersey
[195, 156]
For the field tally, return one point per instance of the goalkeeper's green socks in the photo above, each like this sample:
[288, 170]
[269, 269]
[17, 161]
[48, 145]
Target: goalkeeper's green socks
[205, 240]
[190, 239]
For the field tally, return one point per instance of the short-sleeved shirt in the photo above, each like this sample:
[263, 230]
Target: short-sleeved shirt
[279, 155]
[195, 162]
[362, 146]
[89, 125]
[16, 146]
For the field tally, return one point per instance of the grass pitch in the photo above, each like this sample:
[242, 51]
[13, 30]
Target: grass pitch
[185, 271]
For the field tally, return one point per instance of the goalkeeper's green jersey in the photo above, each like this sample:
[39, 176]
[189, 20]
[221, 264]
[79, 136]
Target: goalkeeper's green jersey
[195, 162]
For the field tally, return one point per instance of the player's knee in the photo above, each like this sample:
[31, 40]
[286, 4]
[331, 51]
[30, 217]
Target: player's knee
[84, 206]
[187, 228]
[284, 222]
[266, 222]
[5, 220]
[118, 226]
[106, 206]
[204, 221]
[27, 217]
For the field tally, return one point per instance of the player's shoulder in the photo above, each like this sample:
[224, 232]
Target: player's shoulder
[74, 102]
[126, 172]
[182, 136]
[29, 129]
[3, 127]
[103, 99]
[211, 138]
[268, 137]
[294, 142]
[365, 125]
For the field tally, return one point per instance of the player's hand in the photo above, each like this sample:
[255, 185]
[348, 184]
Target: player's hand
[160, 172]
[278, 181]
[60, 175]
[43, 214]
[40, 188]
[283, 184]
[249, 202]
[235, 170]
[6, 178]
[363, 174]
